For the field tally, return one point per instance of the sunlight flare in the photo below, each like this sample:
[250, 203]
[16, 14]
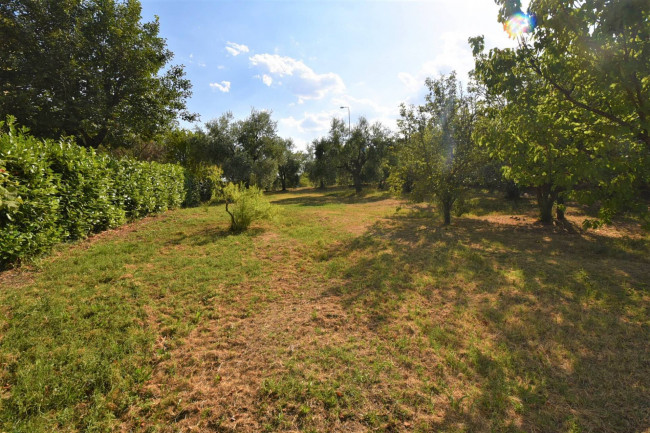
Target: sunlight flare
[519, 24]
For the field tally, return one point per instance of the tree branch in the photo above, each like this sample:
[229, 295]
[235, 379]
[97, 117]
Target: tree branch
[568, 95]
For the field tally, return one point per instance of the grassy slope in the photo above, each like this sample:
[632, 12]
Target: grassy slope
[343, 315]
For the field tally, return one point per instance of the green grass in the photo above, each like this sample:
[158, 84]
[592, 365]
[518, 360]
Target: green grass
[344, 313]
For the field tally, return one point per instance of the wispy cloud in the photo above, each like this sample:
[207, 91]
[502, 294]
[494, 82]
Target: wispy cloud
[455, 56]
[299, 78]
[224, 86]
[371, 109]
[236, 49]
[411, 83]
[266, 79]
[310, 122]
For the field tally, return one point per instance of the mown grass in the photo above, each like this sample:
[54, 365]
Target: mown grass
[346, 313]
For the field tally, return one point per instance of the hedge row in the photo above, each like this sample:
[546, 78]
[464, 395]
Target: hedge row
[53, 191]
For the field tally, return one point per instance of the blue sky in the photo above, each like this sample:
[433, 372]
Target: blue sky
[304, 59]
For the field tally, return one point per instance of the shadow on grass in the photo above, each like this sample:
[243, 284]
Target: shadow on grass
[209, 235]
[484, 203]
[339, 195]
[561, 318]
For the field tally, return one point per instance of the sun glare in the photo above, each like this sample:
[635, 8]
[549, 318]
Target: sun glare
[519, 24]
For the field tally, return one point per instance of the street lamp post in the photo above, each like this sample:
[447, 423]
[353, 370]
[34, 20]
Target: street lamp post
[348, 119]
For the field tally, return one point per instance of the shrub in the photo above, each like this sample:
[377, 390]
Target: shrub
[202, 184]
[85, 190]
[245, 205]
[55, 190]
[29, 218]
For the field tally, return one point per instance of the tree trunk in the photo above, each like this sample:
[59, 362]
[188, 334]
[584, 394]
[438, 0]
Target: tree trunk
[233, 225]
[447, 203]
[322, 184]
[545, 200]
[446, 210]
[357, 184]
[512, 191]
[284, 183]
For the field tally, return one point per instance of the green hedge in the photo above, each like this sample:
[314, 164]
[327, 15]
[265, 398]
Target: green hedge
[52, 191]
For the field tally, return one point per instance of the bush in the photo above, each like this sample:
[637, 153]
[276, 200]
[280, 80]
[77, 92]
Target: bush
[142, 188]
[55, 190]
[202, 183]
[30, 217]
[85, 190]
[245, 205]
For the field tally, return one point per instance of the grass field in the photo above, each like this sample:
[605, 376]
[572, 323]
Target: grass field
[344, 314]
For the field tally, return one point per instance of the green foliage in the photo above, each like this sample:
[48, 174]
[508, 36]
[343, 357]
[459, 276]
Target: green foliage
[202, 184]
[88, 69]
[529, 131]
[142, 188]
[437, 155]
[30, 220]
[245, 205]
[55, 190]
[323, 166]
[87, 201]
[358, 154]
[584, 71]
[9, 199]
[248, 151]
[361, 155]
[290, 165]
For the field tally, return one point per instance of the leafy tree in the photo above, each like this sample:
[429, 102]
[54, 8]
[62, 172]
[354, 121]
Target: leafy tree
[323, 168]
[245, 205]
[530, 130]
[248, 150]
[184, 147]
[361, 154]
[88, 69]
[437, 150]
[290, 165]
[592, 59]
[257, 139]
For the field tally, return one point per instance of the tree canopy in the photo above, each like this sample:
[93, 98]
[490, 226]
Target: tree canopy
[89, 69]
[437, 153]
[589, 65]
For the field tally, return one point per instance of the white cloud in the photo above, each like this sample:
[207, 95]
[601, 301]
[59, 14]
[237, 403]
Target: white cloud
[221, 67]
[370, 109]
[236, 49]
[411, 83]
[266, 79]
[310, 122]
[456, 56]
[300, 78]
[224, 86]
